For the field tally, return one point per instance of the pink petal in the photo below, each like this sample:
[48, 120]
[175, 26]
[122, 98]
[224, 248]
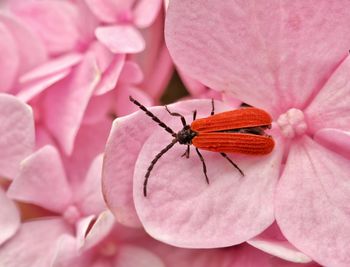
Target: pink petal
[9, 59]
[330, 108]
[31, 89]
[155, 60]
[100, 230]
[42, 181]
[54, 21]
[66, 103]
[273, 242]
[9, 217]
[131, 256]
[67, 253]
[104, 57]
[270, 54]
[111, 75]
[158, 74]
[99, 107]
[26, 250]
[123, 106]
[336, 140]
[121, 38]
[52, 67]
[198, 90]
[43, 137]
[87, 23]
[89, 197]
[109, 10]
[145, 12]
[228, 211]
[312, 203]
[31, 50]
[17, 134]
[90, 142]
[131, 73]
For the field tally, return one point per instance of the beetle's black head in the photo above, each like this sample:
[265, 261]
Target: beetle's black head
[186, 135]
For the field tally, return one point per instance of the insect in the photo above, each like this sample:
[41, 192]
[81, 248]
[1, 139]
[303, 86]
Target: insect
[236, 131]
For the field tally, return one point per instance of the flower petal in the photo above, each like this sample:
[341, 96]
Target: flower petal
[31, 89]
[123, 146]
[100, 229]
[90, 142]
[66, 103]
[9, 217]
[312, 203]
[108, 10]
[17, 134]
[145, 12]
[24, 249]
[130, 256]
[131, 73]
[155, 61]
[31, 50]
[54, 21]
[51, 67]
[330, 108]
[9, 59]
[89, 197]
[270, 54]
[67, 253]
[274, 243]
[334, 139]
[122, 104]
[179, 202]
[121, 38]
[111, 75]
[42, 181]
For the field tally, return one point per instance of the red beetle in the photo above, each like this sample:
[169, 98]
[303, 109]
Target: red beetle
[236, 131]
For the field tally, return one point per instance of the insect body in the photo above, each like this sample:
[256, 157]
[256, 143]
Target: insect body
[236, 131]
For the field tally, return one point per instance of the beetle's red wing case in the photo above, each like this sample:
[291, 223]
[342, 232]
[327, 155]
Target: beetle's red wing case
[234, 119]
[249, 144]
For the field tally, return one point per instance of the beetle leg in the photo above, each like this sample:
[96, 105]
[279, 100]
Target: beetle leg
[234, 164]
[194, 114]
[177, 115]
[187, 152]
[204, 166]
[212, 107]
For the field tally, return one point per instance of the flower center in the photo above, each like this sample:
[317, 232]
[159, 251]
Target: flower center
[292, 123]
[72, 214]
[125, 17]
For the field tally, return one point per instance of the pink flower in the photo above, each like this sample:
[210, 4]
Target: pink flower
[44, 183]
[66, 66]
[288, 59]
[16, 142]
[110, 244]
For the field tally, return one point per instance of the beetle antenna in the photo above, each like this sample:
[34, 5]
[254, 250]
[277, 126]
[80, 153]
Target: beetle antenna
[154, 161]
[153, 117]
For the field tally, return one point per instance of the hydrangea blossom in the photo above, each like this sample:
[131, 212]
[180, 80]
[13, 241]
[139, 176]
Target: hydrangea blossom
[290, 58]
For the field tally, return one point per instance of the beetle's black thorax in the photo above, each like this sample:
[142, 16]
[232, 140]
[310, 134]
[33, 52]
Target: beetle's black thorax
[186, 135]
